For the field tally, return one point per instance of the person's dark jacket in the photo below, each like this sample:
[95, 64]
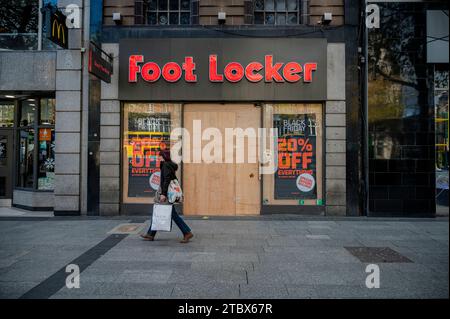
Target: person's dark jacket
[168, 170]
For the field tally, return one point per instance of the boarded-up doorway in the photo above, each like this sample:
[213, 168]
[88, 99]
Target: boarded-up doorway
[224, 189]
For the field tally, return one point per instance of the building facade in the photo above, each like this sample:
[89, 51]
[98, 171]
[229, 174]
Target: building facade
[200, 70]
[41, 109]
[408, 110]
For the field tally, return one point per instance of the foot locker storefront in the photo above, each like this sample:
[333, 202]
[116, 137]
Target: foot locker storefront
[244, 119]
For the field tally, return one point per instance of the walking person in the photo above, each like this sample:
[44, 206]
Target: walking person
[168, 169]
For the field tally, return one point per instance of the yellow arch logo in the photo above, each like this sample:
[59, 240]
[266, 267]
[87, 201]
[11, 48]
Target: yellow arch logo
[59, 27]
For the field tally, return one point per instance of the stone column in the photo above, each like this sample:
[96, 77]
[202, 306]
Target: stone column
[110, 139]
[335, 128]
[67, 122]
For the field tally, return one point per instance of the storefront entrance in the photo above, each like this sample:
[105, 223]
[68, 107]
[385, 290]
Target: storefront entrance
[221, 188]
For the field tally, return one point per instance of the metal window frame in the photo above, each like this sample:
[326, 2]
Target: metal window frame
[300, 12]
[157, 11]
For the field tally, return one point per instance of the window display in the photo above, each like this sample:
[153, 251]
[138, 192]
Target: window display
[6, 114]
[147, 130]
[46, 158]
[298, 178]
[296, 174]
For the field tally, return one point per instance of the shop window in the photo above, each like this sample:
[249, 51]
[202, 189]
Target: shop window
[298, 151]
[168, 12]
[277, 12]
[147, 128]
[46, 159]
[6, 114]
[27, 112]
[19, 25]
[47, 112]
[36, 137]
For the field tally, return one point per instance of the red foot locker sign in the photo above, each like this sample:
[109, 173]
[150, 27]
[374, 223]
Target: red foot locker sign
[244, 69]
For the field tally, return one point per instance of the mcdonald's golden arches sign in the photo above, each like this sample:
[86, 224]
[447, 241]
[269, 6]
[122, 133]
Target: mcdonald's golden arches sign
[59, 32]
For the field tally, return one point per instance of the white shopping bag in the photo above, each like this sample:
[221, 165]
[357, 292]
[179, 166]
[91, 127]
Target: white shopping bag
[162, 217]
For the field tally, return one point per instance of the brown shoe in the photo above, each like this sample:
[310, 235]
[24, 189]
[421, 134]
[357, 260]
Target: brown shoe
[148, 237]
[186, 238]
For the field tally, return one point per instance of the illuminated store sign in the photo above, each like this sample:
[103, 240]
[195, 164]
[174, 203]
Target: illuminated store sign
[222, 69]
[233, 72]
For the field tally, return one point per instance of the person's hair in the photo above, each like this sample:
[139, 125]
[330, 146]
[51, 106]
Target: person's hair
[165, 155]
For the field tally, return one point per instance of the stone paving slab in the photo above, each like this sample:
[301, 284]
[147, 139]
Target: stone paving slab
[248, 258]
[15, 289]
[205, 290]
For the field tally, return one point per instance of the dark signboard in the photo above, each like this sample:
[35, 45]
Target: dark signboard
[296, 174]
[244, 69]
[57, 30]
[147, 135]
[99, 67]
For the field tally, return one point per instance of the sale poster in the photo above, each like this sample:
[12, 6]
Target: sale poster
[147, 135]
[296, 176]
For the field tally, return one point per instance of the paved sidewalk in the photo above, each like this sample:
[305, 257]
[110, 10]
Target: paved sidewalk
[228, 258]
[17, 212]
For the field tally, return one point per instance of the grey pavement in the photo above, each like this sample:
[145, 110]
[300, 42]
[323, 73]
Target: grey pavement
[228, 258]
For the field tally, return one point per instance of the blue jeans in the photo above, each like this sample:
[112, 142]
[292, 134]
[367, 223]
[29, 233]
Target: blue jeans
[178, 220]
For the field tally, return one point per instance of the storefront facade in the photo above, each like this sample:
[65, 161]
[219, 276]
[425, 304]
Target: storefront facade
[213, 87]
[41, 107]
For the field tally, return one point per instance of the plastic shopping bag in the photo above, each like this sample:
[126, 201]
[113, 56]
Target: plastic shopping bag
[162, 217]
[174, 193]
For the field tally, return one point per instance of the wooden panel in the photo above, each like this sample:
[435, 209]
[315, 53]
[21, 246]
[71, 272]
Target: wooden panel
[248, 191]
[209, 188]
[269, 180]
[216, 188]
